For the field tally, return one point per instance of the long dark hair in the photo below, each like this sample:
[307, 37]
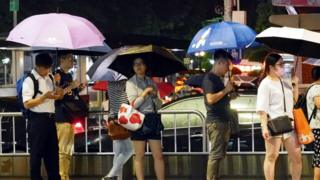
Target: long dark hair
[270, 60]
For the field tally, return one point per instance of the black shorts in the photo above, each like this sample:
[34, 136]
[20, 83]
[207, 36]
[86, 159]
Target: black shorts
[151, 120]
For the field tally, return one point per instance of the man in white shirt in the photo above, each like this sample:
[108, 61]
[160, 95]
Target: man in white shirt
[41, 125]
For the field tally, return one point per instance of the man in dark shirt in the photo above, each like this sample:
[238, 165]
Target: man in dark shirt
[217, 104]
[63, 122]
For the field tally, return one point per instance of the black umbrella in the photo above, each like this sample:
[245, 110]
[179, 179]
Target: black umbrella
[195, 81]
[296, 41]
[160, 61]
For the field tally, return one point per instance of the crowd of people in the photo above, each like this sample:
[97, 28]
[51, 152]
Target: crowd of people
[51, 133]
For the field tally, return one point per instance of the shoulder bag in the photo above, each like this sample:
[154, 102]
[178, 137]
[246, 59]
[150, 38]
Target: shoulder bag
[281, 124]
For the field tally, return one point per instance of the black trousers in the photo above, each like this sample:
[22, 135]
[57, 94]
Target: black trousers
[43, 145]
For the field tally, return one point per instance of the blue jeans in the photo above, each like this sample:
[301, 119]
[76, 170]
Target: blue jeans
[122, 152]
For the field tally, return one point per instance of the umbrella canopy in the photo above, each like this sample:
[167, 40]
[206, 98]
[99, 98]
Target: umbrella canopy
[100, 70]
[296, 41]
[100, 86]
[312, 61]
[160, 61]
[90, 51]
[165, 89]
[222, 35]
[57, 30]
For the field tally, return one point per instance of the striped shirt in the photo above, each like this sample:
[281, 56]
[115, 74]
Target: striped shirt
[117, 96]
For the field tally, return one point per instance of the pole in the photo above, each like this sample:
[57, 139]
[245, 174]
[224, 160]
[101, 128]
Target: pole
[15, 17]
[5, 74]
[238, 5]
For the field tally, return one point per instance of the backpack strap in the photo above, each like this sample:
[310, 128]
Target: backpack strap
[52, 79]
[35, 85]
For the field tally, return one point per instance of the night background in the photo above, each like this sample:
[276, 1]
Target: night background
[168, 23]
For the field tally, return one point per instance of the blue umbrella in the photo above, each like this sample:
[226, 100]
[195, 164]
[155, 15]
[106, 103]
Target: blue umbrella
[222, 35]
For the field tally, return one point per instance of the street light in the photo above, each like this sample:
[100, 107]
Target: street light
[5, 61]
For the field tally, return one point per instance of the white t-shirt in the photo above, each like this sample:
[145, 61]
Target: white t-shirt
[45, 85]
[313, 92]
[270, 98]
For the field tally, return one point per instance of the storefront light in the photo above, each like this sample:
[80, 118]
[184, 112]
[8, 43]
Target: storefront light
[5, 61]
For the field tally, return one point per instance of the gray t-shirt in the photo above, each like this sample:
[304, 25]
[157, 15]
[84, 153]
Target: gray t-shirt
[219, 111]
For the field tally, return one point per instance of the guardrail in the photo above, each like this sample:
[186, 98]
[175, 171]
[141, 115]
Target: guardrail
[189, 139]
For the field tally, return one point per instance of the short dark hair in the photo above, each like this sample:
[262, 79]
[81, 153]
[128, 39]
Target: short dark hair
[315, 73]
[44, 60]
[222, 55]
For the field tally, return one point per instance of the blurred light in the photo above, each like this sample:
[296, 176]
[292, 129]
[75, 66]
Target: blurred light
[191, 61]
[77, 127]
[211, 61]
[202, 53]
[5, 61]
[176, 50]
[197, 54]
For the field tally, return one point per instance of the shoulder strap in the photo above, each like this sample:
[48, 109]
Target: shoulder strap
[35, 85]
[315, 109]
[51, 77]
[284, 97]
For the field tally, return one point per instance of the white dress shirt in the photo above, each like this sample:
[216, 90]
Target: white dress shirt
[45, 85]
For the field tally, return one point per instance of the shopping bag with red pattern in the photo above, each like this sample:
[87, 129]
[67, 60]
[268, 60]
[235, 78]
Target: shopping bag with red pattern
[130, 118]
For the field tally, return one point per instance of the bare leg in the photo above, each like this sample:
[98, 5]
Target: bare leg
[272, 153]
[294, 152]
[316, 174]
[139, 149]
[156, 149]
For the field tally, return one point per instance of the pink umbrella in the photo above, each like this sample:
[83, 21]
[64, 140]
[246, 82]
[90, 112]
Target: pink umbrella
[57, 30]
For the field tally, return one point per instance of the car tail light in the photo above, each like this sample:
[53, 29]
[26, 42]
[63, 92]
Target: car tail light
[77, 127]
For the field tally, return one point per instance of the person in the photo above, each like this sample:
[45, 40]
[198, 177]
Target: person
[144, 96]
[270, 105]
[122, 148]
[41, 127]
[217, 103]
[63, 121]
[313, 104]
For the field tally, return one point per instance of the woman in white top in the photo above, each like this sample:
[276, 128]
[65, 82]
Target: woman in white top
[313, 104]
[270, 104]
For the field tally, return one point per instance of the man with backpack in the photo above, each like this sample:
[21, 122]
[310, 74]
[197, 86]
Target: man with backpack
[38, 95]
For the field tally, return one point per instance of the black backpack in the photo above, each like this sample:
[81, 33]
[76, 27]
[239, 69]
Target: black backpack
[19, 86]
[302, 103]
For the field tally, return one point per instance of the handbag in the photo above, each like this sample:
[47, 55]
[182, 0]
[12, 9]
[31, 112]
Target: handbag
[116, 131]
[304, 132]
[75, 108]
[281, 124]
[130, 118]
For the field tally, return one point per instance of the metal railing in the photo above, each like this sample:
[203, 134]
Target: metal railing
[189, 138]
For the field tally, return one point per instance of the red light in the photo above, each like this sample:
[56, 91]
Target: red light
[77, 127]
